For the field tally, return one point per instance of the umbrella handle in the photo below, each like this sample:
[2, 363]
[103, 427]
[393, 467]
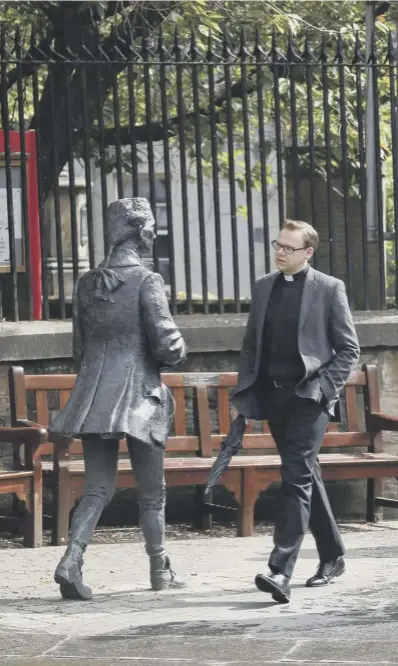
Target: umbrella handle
[207, 491]
[220, 506]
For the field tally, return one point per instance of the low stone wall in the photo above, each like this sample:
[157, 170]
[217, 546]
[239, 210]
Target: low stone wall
[214, 343]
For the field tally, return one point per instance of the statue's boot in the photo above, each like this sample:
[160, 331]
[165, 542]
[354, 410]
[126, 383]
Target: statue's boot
[162, 575]
[68, 574]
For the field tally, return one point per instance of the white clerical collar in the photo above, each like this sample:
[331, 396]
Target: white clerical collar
[296, 276]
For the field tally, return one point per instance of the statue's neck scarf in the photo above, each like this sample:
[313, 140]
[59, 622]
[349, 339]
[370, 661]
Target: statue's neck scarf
[105, 280]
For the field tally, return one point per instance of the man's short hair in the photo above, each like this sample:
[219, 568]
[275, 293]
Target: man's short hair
[310, 235]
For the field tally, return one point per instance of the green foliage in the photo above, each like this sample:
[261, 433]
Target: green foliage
[321, 20]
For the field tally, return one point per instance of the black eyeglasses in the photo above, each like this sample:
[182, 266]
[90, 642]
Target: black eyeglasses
[286, 248]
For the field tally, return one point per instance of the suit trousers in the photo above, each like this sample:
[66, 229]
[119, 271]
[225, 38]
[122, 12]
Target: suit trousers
[100, 460]
[298, 426]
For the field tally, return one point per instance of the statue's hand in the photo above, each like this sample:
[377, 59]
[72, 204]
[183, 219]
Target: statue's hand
[233, 413]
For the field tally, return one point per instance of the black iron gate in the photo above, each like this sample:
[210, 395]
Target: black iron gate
[226, 142]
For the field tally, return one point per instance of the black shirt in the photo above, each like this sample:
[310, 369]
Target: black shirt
[281, 358]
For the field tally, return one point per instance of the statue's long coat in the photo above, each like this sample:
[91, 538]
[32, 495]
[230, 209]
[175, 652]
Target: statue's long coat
[120, 348]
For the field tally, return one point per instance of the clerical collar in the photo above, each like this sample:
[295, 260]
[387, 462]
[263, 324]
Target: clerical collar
[297, 277]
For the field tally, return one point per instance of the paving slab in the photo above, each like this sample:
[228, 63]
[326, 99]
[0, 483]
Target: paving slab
[135, 662]
[202, 648]
[221, 618]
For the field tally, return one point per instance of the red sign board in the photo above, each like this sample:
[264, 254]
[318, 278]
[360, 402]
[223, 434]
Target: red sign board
[33, 214]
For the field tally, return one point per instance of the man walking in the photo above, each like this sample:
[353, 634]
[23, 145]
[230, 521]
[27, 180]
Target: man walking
[299, 348]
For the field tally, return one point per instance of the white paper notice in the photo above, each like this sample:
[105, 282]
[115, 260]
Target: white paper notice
[4, 237]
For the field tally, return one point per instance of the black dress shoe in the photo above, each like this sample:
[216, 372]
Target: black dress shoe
[276, 584]
[326, 572]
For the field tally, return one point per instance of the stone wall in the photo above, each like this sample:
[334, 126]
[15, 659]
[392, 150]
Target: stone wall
[214, 343]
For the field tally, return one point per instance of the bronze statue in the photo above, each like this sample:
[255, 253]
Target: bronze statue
[123, 336]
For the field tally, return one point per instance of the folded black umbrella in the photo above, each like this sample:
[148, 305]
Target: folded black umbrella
[229, 447]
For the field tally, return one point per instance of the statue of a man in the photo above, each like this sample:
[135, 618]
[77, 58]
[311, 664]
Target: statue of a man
[123, 336]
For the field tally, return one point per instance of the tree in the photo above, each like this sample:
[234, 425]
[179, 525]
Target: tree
[65, 28]
[106, 30]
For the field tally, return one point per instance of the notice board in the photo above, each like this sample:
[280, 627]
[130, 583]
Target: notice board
[32, 224]
[4, 224]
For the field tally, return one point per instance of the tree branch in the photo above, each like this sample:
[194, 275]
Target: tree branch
[149, 17]
[27, 66]
[48, 9]
[157, 131]
[79, 30]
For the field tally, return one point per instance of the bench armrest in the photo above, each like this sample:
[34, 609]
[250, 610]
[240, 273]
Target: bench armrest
[27, 423]
[379, 421]
[32, 436]
[60, 441]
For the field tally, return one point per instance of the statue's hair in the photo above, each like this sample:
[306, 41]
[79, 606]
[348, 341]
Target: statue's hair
[135, 212]
[129, 217]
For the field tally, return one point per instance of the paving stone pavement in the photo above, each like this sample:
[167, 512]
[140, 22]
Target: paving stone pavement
[220, 619]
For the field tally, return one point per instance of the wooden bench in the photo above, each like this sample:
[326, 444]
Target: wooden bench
[202, 418]
[26, 482]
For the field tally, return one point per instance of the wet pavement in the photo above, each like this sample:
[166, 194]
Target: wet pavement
[220, 619]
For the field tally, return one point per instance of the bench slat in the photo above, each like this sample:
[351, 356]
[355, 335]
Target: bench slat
[264, 462]
[203, 421]
[42, 408]
[331, 440]
[182, 443]
[49, 382]
[63, 398]
[173, 380]
[190, 443]
[352, 409]
[9, 474]
[223, 409]
[179, 416]
[229, 379]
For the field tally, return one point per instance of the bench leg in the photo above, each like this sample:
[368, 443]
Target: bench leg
[203, 518]
[33, 535]
[17, 506]
[374, 489]
[249, 494]
[61, 506]
[245, 522]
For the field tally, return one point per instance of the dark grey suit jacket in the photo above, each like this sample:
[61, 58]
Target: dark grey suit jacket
[327, 342]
